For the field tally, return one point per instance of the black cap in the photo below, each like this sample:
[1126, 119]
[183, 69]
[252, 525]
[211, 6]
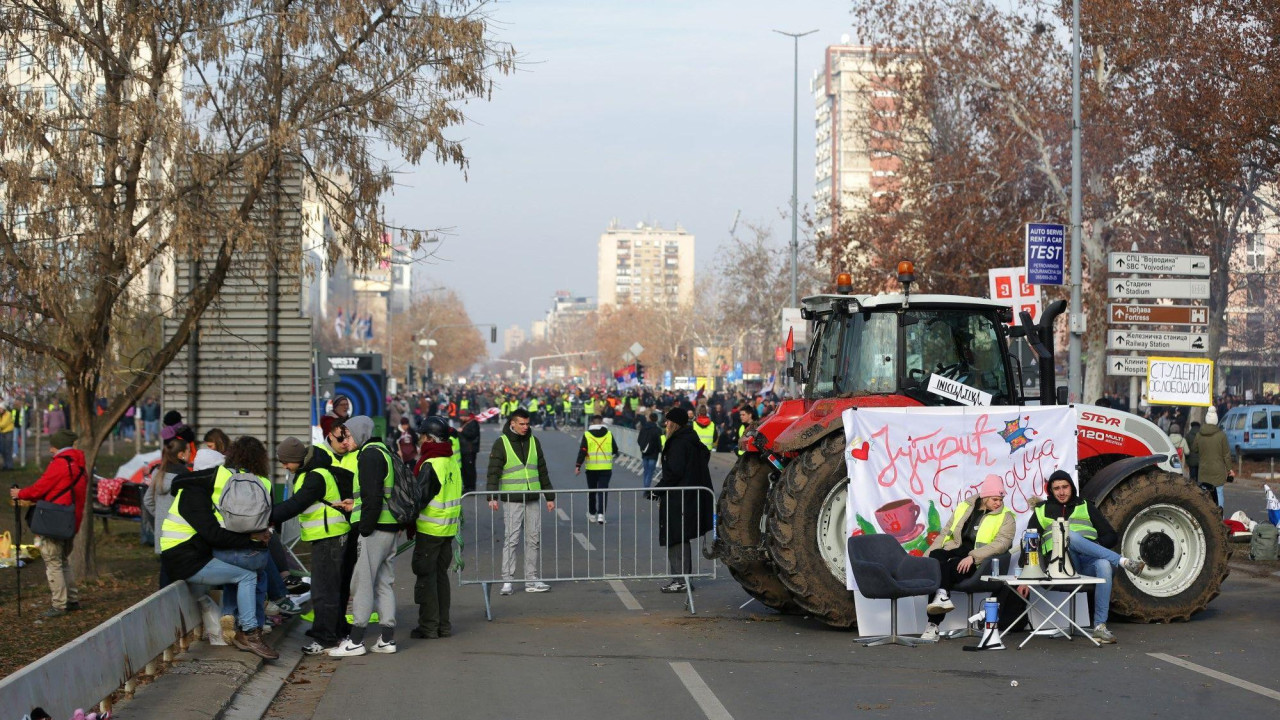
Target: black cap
[678, 416]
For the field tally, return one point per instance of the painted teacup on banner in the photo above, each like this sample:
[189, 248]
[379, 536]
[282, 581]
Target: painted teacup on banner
[910, 467]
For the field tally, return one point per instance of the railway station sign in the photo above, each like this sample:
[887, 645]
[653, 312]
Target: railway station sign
[1179, 381]
[1157, 289]
[1131, 263]
[1046, 253]
[1158, 314]
[1155, 341]
[1127, 365]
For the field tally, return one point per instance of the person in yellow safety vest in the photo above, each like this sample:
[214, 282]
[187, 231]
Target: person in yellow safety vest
[190, 534]
[7, 422]
[464, 404]
[373, 581]
[746, 416]
[518, 469]
[436, 526]
[321, 503]
[589, 406]
[1091, 538]
[980, 528]
[705, 428]
[595, 454]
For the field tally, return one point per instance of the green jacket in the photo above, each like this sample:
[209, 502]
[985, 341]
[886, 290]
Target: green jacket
[1215, 455]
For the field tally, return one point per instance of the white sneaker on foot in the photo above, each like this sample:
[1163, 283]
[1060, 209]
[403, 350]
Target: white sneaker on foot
[506, 589]
[346, 648]
[930, 633]
[940, 604]
[600, 518]
[1133, 566]
[385, 648]
[537, 587]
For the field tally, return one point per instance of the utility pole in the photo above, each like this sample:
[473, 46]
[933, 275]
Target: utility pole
[795, 161]
[1075, 320]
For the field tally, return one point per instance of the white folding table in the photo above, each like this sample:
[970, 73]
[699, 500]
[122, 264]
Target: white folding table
[1038, 587]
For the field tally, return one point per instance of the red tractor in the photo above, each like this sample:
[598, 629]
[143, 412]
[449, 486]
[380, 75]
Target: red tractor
[782, 508]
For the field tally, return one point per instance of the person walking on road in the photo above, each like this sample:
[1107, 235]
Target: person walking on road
[649, 441]
[682, 514]
[1214, 454]
[372, 583]
[596, 453]
[64, 482]
[436, 526]
[518, 469]
[468, 448]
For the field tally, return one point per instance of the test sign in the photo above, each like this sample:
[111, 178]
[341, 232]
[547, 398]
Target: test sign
[1046, 252]
[1179, 381]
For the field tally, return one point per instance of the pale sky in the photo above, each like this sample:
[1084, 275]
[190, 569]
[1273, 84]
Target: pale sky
[657, 111]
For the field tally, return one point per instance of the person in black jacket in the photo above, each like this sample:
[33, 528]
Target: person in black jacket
[191, 558]
[683, 514]
[649, 440]
[469, 447]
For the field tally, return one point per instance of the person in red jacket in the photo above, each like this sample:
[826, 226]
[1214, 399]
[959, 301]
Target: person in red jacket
[64, 482]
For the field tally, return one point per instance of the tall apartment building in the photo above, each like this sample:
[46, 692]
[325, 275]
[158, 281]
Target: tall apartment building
[567, 311]
[856, 131]
[644, 265]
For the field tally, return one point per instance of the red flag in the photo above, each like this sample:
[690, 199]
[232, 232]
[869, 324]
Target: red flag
[791, 339]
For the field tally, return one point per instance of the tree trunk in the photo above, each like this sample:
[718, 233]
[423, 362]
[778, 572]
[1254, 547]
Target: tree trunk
[80, 405]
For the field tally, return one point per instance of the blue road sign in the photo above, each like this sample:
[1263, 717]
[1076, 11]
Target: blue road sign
[666, 380]
[1046, 251]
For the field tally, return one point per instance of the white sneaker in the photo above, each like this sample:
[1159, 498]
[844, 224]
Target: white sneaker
[385, 648]
[1133, 566]
[591, 517]
[506, 589]
[537, 587]
[940, 604]
[930, 633]
[600, 518]
[346, 648]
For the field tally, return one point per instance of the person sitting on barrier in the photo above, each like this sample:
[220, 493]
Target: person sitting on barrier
[980, 528]
[1090, 538]
[188, 537]
[683, 515]
[435, 528]
[518, 468]
[596, 453]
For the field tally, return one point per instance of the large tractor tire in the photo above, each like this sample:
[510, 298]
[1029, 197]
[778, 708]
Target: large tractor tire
[807, 530]
[1173, 526]
[740, 510]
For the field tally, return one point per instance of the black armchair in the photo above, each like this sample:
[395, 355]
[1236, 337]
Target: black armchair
[883, 570]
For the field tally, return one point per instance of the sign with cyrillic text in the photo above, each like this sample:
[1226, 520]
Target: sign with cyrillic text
[1179, 381]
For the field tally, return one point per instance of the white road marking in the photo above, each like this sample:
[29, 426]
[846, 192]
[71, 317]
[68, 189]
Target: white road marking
[562, 515]
[702, 694]
[584, 542]
[1245, 684]
[628, 600]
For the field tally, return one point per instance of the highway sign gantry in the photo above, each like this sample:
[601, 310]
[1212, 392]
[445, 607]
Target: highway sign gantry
[1156, 341]
[1158, 314]
[1156, 289]
[1131, 365]
[1155, 264]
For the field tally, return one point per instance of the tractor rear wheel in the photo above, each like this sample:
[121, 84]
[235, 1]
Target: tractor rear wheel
[1172, 526]
[807, 530]
[739, 527]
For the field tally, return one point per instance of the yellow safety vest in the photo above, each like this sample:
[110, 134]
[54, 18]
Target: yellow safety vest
[533, 405]
[589, 407]
[1078, 521]
[520, 476]
[175, 529]
[706, 434]
[319, 521]
[464, 404]
[742, 430]
[987, 529]
[385, 517]
[456, 446]
[442, 516]
[599, 452]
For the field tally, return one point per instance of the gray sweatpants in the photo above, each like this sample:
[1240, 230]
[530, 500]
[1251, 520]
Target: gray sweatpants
[372, 582]
[517, 516]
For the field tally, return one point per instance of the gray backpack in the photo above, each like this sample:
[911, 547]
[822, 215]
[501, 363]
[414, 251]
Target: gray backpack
[245, 505]
[1262, 542]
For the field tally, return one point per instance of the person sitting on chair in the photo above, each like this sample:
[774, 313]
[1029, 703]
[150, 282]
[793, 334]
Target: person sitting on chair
[980, 528]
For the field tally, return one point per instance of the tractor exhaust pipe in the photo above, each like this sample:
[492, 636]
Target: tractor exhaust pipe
[1040, 338]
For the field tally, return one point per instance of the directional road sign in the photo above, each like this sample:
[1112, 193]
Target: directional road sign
[1158, 314]
[1153, 264]
[1172, 289]
[1131, 365]
[1046, 253]
[1160, 341]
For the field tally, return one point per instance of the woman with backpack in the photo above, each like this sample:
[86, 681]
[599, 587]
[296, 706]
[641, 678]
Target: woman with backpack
[246, 456]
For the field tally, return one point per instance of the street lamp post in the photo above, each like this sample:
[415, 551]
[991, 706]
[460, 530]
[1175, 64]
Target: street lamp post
[430, 331]
[795, 159]
[1075, 320]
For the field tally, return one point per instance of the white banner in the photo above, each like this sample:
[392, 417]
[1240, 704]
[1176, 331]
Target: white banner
[910, 467]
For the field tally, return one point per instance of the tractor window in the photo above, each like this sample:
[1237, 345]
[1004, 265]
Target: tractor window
[855, 355]
[960, 345]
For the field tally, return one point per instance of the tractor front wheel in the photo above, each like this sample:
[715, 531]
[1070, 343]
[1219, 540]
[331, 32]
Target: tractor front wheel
[740, 510]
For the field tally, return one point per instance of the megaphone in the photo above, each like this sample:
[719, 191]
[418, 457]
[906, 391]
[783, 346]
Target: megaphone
[1060, 565]
[1031, 569]
[991, 638]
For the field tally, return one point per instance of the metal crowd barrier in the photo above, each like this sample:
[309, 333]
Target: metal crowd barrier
[575, 549]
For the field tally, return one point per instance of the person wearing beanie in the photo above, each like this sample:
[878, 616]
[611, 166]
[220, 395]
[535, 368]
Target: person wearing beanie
[64, 482]
[1179, 442]
[434, 530]
[1213, 454]
[683, 515]
[322, 505]
[518, 469]
[173, 417]
[981, 528]
[1091, 540]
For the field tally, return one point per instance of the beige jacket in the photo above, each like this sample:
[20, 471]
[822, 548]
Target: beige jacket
[1002, 542]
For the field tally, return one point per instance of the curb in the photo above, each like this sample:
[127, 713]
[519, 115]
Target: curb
[255, 696]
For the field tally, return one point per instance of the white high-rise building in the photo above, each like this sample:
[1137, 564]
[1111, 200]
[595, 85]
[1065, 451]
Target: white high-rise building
[644, 265]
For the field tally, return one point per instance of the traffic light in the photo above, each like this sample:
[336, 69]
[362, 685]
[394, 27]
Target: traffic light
[639, 374]
[409, 376]
[493, 333]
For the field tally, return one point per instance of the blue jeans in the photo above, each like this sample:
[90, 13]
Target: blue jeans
[650, 467]
[275, 584]
[216, 572]
[255, 561]
[1092, 559]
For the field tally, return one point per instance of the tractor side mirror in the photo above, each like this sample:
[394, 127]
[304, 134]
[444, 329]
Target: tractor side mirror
[797, 372]
[1062, 394]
